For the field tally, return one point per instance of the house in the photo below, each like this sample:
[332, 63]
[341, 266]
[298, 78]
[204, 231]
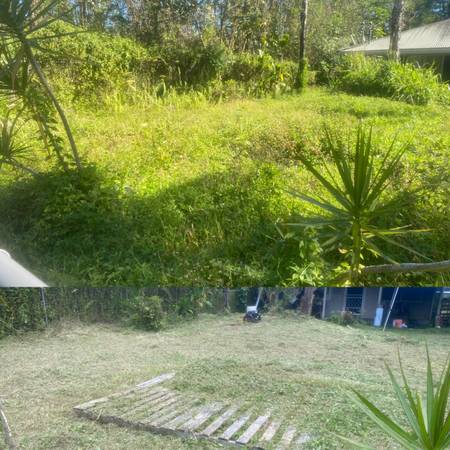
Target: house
[428, 45]
[417, 307]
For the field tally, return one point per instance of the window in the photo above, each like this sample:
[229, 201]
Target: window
[353, 300]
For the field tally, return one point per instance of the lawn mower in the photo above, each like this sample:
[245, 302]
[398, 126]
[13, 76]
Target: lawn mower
[252, 315]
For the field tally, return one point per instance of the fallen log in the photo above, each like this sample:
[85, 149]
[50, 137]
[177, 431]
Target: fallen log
[441, 266]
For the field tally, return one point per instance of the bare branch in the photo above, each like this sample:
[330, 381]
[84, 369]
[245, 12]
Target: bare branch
[441, 266]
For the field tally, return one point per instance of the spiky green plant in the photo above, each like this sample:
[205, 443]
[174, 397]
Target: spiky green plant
[355, 182]
[12, 152]
[19, 22]
[428, 418]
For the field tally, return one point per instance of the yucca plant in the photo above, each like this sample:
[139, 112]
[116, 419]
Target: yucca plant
[11, 151]
[19, 22]
[428, 418]
[355, 181]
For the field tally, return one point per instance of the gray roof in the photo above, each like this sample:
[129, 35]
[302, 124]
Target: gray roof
[433, 38]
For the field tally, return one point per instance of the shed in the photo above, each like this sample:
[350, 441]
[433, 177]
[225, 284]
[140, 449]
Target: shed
[418, 307]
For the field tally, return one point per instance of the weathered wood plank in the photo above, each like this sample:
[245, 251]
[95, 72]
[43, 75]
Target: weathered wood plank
[214, 426]
[270, 431]
[253, 429]
[150, 406]
[303, 439]
[156, 380]
[286, 439]
[144, 385]
[122, 404]
[183, 417]
[200, 418]
[167, 415]
[235, 426]
[107, 419]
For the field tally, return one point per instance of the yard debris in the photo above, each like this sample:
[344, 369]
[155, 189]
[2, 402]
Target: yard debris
[150, 407]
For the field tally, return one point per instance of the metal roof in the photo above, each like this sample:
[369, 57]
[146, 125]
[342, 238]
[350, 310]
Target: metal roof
[12, 274]
[433, 38]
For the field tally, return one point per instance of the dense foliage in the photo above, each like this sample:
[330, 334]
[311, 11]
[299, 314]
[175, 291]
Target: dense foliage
[386, 78]
[105, 64]
[20, 309]
[147, 312]
[151, 309]
[174, 189]
[251, 26]
[143, 217]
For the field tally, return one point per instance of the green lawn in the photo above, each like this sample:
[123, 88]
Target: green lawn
[300, 367]
[187, 191]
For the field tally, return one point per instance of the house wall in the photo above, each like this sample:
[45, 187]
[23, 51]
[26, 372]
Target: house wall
[335, 301]
[370, 303]
[336, 298]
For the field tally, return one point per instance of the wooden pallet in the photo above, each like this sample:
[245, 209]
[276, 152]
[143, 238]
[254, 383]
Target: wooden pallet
[152, 407]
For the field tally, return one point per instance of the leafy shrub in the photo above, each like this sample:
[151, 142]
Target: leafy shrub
[302, 76]
[189, 306]
[65, 211]
[20, 310]
[147, 312]
[386, 78]
[85, 65]
[261, 74]
[344, 318]
[192, 62]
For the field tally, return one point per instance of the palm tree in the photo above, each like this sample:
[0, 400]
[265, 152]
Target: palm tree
[19, 22]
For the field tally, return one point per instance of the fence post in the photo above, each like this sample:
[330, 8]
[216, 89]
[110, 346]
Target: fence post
[44, 305]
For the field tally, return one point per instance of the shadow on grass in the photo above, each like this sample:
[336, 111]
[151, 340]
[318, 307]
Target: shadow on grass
[216, 229]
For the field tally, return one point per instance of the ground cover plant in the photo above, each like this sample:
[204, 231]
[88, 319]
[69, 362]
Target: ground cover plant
[182, 190]
[265, 363]
[381, 77]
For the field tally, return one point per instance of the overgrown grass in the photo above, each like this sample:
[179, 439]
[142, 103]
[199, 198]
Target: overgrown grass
[186, 191]
[300, 367]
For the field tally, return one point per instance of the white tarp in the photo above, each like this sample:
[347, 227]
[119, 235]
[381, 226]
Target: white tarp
[12, 274]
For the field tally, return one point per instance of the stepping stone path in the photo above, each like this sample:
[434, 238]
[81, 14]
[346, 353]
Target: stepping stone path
[152, 407]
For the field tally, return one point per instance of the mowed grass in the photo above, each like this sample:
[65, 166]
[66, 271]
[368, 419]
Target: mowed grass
[301, 368]
[195, 189]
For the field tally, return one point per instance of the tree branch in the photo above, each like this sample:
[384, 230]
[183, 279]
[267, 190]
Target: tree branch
[441, 266]
[7, 430]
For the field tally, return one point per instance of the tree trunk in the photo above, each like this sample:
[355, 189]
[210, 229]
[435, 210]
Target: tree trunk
[434, 267]
[301, 75]
[356, 251]
[396, 20]
[37, 68]
[441, 266]
[303, 24]
[306, 302]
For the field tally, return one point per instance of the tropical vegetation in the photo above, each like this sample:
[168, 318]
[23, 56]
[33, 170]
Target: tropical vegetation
[155, 147]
